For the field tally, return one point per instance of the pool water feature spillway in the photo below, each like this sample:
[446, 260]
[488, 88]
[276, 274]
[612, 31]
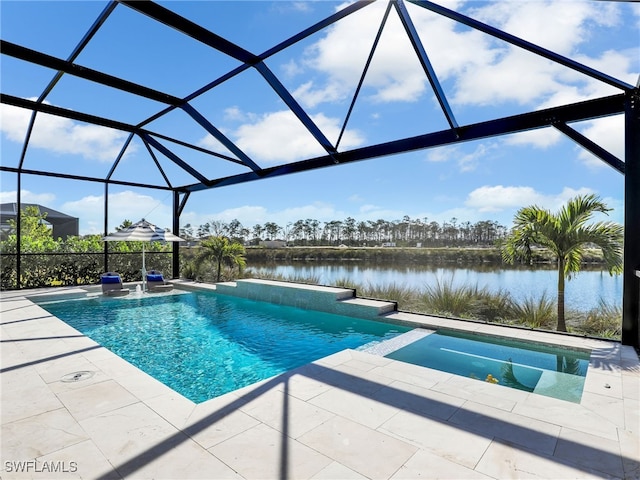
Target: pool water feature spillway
[336, 300]
[542, 369]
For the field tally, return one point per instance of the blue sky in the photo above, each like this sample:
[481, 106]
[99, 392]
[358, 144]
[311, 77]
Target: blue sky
[483, 78]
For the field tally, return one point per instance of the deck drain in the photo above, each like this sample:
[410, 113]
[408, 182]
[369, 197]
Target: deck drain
[77, 376]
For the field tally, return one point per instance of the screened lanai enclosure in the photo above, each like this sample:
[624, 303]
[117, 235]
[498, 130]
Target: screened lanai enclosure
[91, 102]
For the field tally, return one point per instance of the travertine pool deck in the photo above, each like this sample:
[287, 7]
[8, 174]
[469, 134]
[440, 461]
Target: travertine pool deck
[353, 415]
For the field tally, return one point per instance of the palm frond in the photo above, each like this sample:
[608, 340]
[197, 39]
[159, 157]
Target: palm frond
[566, 235]
[510, 379]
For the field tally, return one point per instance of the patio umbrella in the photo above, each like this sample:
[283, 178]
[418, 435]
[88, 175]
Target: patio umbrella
[142, 231]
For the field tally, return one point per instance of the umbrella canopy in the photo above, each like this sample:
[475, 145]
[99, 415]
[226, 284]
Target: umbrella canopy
[142, 231]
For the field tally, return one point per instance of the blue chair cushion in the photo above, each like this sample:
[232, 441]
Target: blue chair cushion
[111, 279]
[155, 278]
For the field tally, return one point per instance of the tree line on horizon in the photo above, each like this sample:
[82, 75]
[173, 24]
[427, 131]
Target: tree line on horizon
[406, 232]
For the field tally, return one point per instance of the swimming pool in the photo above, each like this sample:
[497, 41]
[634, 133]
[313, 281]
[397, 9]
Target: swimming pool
[203, 344]
[542, 369]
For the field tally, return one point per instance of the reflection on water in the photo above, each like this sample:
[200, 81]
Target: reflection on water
[582, 292]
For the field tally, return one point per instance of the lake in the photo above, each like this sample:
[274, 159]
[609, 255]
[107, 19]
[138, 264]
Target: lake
[582, 292]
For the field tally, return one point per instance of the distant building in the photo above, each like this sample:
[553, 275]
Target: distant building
[389, 244]
[62, 225]
[273, 243]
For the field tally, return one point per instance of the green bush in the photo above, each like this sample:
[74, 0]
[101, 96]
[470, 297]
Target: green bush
[534, 312]
[399, 293]
[603, 321]
[443, 298]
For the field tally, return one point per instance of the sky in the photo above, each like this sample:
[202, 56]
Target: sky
[482, 77]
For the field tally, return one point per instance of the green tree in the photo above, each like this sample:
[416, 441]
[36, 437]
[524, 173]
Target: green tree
[124, 225]
[566, 234]
[272, 230]
[220, 251]
[35, 233]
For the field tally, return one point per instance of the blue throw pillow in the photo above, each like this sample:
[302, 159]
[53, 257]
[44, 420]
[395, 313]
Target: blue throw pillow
[110, 279]
[154, 278]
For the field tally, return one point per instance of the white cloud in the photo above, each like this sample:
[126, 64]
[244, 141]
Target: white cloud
[466, 162]
[234, 114]
[368, 208]
[125, 205]
[635, 7]
[279, 137]
[442, 154]
[515, 76]
[555, 25]
[246, 214]
[469, 161]
[301, 6]
[609, 134]
[476, 69]
[44, 199]
[539, 138]
[61, 135]
[321, 211]
[563, 27]
[312, 97]
[499, 198]
[295, 6]
[615, 63]
[394, 75]
[292, 68]
[484, 71]
[376, 212]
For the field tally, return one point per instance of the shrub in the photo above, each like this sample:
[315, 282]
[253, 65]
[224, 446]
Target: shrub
[534, 312]
[401, 294]
[445, 299]
[603, 321]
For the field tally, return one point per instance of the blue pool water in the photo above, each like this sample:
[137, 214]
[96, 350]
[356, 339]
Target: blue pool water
[546, 370]
[204, 344]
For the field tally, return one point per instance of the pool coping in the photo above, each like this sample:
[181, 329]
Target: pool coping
[121, 422]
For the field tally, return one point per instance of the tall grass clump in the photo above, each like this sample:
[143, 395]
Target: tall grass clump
[346, 282]
[605, 321]
[443, 298]
[534, 312]
[493, 306]
[189, 270]
[309, 279]
[406, 297]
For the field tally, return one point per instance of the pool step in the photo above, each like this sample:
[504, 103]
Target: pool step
[341, 301]
[367, 305]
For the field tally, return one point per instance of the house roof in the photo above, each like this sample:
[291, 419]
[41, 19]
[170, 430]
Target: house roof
[10, 210]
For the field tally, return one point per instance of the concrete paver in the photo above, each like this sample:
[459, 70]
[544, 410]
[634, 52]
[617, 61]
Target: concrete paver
[352, 415]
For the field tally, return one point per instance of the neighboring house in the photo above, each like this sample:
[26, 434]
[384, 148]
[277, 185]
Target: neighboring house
[273, 243]
[62, 225]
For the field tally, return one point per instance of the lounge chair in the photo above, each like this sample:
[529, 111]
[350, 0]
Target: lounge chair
[157, 283]
[112, 285]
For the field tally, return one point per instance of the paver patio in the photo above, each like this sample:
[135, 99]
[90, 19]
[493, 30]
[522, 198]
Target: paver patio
[352, 415]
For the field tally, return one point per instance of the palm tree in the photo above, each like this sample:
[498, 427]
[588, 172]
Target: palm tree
[219, 250]
[566, 234]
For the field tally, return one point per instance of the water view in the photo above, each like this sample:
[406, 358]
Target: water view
[582, 292]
